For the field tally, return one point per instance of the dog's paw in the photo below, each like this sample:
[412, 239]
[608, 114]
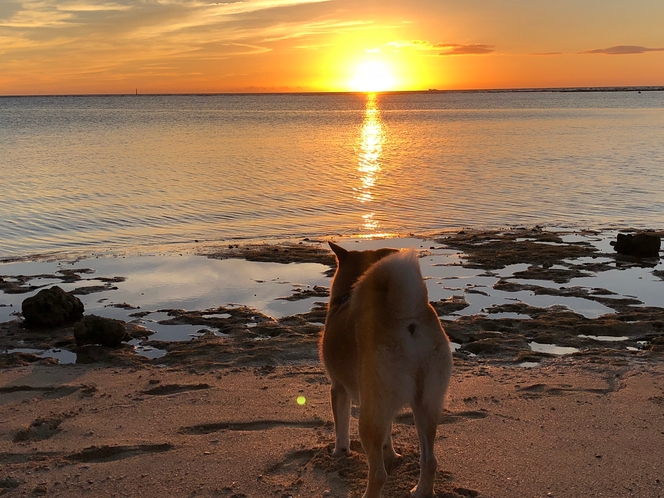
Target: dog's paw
[341, 452]
[415, 493]
[389, 454]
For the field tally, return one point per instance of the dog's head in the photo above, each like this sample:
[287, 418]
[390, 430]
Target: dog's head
[351, 265]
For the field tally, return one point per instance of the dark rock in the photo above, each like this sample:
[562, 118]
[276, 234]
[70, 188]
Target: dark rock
[642, 245]
[496, 345]
[9, 483]
[51, 308]
[95, 329]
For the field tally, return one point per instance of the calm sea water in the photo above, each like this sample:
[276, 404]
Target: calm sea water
[119, 172]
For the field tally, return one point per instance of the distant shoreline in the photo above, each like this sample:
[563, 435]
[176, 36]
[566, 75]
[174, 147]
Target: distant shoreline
[430, 90]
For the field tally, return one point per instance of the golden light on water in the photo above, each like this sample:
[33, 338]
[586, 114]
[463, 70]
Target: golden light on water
[371, 140]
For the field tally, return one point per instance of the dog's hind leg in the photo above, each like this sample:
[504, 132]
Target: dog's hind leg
[374, 431]
[426, 421]
[341, 414]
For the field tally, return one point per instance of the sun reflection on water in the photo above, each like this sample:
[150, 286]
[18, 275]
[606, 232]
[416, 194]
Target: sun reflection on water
[371, 142]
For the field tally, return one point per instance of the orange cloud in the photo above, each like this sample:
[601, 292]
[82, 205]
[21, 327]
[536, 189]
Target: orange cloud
[449, 48]
[623, 50]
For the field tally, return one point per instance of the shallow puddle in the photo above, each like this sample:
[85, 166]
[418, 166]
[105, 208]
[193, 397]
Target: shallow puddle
[604, 338]
[178, 282]
[62, 355]
[190, 282]
[551, 348]
[528, 364]
[147, 351]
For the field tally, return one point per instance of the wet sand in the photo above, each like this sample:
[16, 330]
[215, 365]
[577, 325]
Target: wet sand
[571, 428]
[217, 415]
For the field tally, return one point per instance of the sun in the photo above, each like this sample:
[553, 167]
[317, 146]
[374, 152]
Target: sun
[372, 76]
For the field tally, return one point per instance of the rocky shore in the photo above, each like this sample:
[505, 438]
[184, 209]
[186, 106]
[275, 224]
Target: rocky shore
[216, 414]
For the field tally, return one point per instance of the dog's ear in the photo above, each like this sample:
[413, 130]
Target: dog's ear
[339, 251]
[386, 251]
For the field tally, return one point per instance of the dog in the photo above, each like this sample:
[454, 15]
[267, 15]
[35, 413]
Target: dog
[383, 346]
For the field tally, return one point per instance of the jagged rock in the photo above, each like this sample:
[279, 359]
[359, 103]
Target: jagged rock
[95, 329]
[642, 245]
[51, 308]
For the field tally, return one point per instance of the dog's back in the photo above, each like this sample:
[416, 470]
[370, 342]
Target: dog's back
[399, 338]
[383, 346]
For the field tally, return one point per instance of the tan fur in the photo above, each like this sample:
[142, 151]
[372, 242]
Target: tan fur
[383, 346]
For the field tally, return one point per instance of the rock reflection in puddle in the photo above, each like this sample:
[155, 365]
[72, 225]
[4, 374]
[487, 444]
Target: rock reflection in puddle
[63, 356]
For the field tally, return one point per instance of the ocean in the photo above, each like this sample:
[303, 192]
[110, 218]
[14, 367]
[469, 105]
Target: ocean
[130, 173]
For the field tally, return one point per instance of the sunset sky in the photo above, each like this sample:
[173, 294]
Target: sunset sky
[183, 46]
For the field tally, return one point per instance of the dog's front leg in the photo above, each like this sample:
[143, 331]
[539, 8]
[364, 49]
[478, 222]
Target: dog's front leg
[341, 414]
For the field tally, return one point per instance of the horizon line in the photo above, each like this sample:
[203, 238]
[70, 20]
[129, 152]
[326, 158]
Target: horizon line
[321, 92]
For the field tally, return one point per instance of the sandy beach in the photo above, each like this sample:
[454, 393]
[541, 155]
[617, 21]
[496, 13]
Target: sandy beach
[218, 414]
[571, 428]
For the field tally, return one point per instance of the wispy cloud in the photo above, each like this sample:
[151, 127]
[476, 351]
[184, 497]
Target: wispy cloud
[472, 49]
[447, 48]
[101, 41]
[80, 13]
[415, 44]
[90, 6]
[623, 50]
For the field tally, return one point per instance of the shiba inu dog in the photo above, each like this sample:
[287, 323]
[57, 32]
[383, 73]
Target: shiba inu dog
[383, 346]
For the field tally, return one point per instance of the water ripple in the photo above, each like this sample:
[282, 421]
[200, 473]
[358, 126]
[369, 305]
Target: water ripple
[117, 172]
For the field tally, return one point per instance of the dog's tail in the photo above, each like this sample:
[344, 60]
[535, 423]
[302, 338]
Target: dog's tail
[396, 282]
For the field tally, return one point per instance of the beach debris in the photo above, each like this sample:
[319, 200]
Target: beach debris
[642, 245]
[51, 308]
[93, 329]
